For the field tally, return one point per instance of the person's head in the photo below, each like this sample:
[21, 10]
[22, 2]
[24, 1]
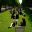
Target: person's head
[23, 18]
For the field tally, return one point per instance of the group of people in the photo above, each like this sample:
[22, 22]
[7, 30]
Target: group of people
[15, 16]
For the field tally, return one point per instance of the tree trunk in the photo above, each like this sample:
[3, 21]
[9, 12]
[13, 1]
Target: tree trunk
[0, 9]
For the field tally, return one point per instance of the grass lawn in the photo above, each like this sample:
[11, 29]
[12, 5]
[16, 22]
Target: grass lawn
[5, 21]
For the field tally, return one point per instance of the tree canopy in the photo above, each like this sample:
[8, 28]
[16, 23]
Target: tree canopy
[9, 2]
[27, 3]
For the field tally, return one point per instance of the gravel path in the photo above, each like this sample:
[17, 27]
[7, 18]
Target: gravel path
[19, 29]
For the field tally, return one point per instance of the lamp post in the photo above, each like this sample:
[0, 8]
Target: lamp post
[20, 2]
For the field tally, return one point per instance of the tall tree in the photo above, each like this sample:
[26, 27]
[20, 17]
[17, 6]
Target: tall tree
[2, 2]
[8, 2]
[13, 2]
[27, 3]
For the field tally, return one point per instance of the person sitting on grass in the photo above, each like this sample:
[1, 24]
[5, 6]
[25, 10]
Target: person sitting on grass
[15, 19]
[23, 23]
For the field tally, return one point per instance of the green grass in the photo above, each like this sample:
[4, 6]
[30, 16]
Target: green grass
[5, 21]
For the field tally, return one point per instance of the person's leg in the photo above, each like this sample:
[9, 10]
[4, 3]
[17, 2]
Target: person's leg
[13, 24]
[16, 21]
[10, 25]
